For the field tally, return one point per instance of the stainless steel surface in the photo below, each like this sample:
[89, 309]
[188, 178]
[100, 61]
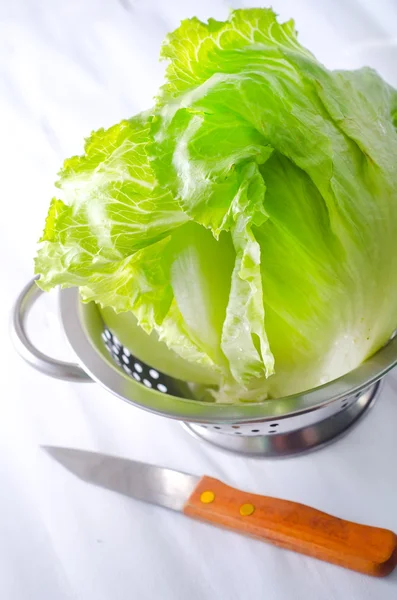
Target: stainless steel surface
[28, 351]
[279, 442]
[277, 427]
[83, 326]
[141, 481]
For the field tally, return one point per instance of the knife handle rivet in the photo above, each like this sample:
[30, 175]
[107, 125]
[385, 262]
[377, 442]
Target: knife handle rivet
[246, 510]
[207, 497]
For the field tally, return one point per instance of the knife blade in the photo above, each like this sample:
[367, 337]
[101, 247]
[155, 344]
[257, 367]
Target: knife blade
[290, 525]
[148, 483]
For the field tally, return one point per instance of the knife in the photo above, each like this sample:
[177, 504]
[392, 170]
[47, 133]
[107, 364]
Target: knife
[293, 526]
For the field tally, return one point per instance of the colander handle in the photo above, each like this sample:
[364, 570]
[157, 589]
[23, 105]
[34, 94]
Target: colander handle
[294, 526]
[26, 349]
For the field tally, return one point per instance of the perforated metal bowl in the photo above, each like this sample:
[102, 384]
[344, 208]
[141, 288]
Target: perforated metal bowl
[273, 428]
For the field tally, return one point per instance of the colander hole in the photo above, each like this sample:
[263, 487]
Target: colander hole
[147, 383]
[104, 337]
[125, 359]
[127, 369]
[216, 427]
[237, 433]
[254, 430]
[162, 388]
[138, 368]
[136, 376]
[116, 341]
[108, 334]
[272, 431]
[115, 349]
[154, 374]
[274, 424]
[126, 352]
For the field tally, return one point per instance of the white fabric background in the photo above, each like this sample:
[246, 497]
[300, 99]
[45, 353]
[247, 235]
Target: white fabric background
[67, 68]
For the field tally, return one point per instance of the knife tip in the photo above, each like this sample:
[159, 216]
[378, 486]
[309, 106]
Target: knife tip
[51, 450]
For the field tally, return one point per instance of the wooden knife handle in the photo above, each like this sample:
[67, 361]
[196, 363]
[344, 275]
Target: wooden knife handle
[294, 526]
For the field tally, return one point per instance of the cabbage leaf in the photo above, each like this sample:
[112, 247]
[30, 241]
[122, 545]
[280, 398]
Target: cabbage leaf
[249, 217]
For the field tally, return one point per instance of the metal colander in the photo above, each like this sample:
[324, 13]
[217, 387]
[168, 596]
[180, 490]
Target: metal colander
[272, 428]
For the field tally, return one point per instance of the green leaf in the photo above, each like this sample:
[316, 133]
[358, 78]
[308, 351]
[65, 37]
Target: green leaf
[111, 203]
[197, 50]
[250, 218]
[112, 210]
[244, 339]
[323, 146]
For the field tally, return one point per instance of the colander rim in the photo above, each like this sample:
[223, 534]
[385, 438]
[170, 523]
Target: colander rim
[83, 326]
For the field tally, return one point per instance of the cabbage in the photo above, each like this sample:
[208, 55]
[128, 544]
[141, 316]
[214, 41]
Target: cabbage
[249, 217]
